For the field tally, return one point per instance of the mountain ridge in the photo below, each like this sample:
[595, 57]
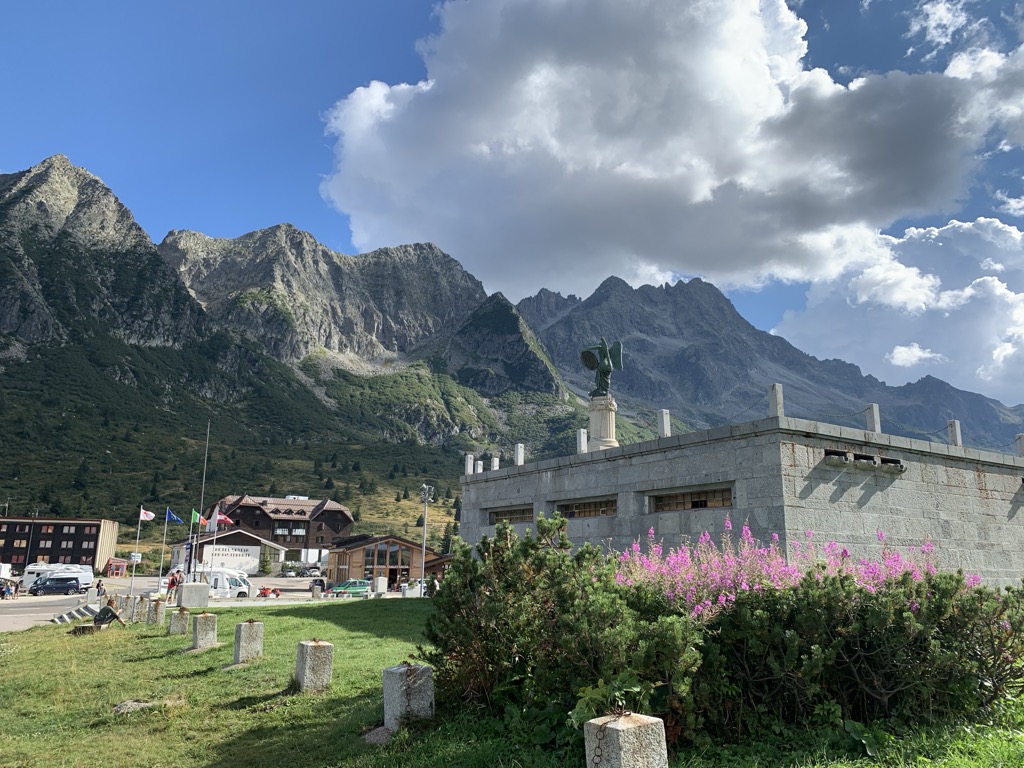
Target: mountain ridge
[80, 268]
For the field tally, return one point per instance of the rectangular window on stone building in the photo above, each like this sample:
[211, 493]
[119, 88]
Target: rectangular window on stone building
[515, 515]
[707, 499]
[593, 508]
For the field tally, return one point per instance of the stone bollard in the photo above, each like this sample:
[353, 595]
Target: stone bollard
[179, 622]
[156, 613]
[313, 665]
[204, 631]
[248, 641]
[317, 593]
[627, 741]
[135, 609]
[408, 694]
[195, 594]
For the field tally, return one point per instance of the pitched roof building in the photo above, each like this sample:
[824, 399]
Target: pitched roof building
[306, 527]
[395, 558]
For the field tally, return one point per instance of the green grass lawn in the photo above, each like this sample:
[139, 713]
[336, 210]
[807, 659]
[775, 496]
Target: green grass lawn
[57, 695]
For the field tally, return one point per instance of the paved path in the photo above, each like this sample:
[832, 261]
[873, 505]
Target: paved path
[28, 611]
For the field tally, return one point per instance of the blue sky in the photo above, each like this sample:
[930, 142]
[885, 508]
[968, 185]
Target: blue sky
[848, 171]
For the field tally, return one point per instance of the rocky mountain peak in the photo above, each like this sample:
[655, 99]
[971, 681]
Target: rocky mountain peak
[546, 307]
[297, 296]
[74, 261]
[495, 351]
[58, 198]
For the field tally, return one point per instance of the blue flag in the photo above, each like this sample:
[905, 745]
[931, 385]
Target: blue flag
[173, 518]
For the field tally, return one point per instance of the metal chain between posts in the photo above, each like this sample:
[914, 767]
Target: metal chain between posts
[409, 674]
[598, 750]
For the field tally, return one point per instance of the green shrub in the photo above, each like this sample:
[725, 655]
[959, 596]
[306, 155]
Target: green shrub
[523, 628]
[829, 651]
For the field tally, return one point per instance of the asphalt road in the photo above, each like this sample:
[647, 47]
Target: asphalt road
[28, 611]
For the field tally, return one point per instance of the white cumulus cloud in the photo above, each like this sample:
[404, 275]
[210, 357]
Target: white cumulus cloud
[907, 356]
[554, 143]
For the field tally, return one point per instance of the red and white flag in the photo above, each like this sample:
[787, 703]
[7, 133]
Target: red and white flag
[222, 518]
[145, 514]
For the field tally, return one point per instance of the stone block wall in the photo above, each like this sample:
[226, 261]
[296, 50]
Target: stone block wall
[787, 476]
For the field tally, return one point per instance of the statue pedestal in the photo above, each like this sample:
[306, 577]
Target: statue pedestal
[602, 423]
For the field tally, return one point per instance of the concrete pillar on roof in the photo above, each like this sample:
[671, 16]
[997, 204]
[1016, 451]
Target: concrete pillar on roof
[874, 419]
[775, 407]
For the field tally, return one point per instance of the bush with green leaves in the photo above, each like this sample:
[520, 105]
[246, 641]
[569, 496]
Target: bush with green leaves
[844, 642]
[529, 630]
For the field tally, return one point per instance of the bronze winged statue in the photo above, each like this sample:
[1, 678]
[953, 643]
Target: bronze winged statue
[602, 360]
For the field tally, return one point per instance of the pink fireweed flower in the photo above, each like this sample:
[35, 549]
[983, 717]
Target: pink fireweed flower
[728, 524]
[702, 574]
[880, 535]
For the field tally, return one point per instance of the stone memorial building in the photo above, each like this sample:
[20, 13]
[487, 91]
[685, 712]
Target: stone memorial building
[780, 475]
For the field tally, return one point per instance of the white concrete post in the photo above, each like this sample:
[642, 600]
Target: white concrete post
[520, 454]
[155, 615]
[494, 463]
[775, 405]
[581, 441]
[874, 419]
[953, 429]
[248, 641]
[479, 467]
[630, 741]
[140, 608]
[664, 423]
[179, 622]
[408, 694]
[469, 464]
[204, 631]
[313, 665]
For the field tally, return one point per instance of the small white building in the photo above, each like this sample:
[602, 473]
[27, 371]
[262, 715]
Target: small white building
[234, 549]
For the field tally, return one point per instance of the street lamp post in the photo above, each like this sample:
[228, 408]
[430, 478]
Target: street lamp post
[428, 491]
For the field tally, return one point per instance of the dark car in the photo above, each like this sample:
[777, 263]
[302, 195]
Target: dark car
[58, 585]
[322, 583]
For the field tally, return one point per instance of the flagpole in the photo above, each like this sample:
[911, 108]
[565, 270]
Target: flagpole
[138, 532]
[216, 527]
[188, 565]
[163, 546]
[202, 500]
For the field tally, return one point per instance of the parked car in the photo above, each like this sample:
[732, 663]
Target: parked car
[351, 587]
[322, 583]
[58, 585]
[310, 572]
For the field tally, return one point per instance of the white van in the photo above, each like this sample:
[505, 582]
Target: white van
[37, 571]
[225, 582]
